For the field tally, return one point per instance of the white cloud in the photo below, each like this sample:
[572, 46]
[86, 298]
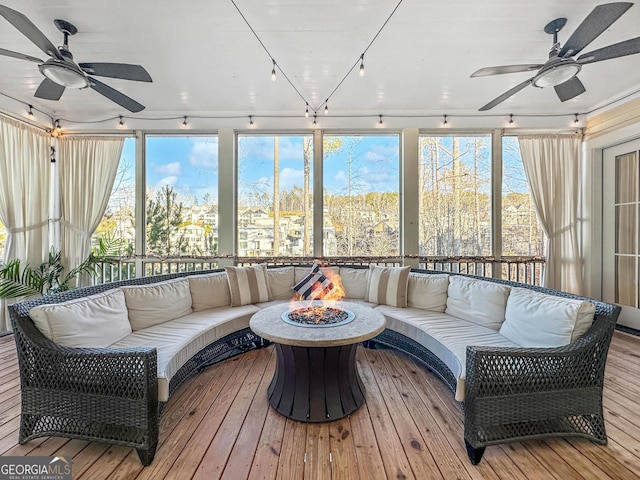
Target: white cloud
[171, 169]
[204, 153]
[290, 177]
[170, 180]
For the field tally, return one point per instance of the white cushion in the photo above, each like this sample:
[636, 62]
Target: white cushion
[248, 284]
[209, 291]
[281, 281]
[388, 285]
[477, 301]
[354, 281]
[428, 291]
[535, 319]
[446, 336]
[179, 340]
[94, 321]
[157, 302]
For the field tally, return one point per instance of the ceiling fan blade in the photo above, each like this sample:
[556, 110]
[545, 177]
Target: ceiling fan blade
[600, 18]
[622, 49]
[29, 30]
[483, 72]
[21, 56]
[569, 89]
[117, 70]
[115, 96]
[49, 90]
[505, 95]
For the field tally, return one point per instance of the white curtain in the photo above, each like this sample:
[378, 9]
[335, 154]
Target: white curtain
[24, 194]
[552, 166]
[88, 167]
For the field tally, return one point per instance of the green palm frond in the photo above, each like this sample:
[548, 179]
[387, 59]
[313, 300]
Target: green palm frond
[17, 283]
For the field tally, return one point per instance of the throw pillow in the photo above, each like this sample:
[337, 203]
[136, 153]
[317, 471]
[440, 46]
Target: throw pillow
[95, 321]
[209, 291]
[314, 286]
[281, 281]
[157, 303]
[248, 285]
[535, 319]
[477, 301]
[388, 285]
[354, 281]
[428, 291]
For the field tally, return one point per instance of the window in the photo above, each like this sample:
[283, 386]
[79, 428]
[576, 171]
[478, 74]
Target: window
[361, 195]
[182, 195]
[118, 221]
[275, 195]
[521, 232]
[455, 195]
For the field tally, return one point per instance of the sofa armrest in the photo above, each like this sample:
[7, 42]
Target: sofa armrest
[518, 393]
[495, 371]
[128, 373]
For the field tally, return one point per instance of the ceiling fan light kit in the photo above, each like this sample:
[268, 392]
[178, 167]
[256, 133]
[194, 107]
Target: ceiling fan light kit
[560, 70]
[556, 74]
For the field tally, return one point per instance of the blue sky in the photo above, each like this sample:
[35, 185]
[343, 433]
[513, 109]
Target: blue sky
[189, 163]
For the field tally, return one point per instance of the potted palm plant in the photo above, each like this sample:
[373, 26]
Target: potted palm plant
[50, 277]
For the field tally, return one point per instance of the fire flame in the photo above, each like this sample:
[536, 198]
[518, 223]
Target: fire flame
[328, 296]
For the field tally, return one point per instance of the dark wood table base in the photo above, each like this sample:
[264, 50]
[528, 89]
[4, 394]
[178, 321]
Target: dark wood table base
[316, 384]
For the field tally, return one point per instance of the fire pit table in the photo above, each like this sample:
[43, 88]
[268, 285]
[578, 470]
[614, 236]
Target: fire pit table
[316, 377]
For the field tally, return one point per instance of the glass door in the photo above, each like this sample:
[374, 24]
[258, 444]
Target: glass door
[621, 234]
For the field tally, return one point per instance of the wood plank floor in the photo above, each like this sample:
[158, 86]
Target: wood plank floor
[219, 425]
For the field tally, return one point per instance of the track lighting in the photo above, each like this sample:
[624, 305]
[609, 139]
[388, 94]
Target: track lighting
[30, 112]
[511, 119]
[184, 122]
[120, 123]
[273, 71]
[362, 65]
[326, 106]
[445, 123]
[251, 124]
[306, 112]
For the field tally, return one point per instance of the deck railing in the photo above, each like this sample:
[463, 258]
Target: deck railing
[518, 269]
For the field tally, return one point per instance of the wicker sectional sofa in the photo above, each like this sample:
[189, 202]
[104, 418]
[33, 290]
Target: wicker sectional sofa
[527, 362]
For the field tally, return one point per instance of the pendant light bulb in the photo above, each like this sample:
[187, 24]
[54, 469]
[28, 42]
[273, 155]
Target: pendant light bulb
[315, 123]
[511, 119]
[306, 112]
[120, 123]
[326, 107]
[58, 127]
[445, 123]
[251, 124]
[362, 65]
[184, 122]
[576, 121]
[273, 71]
[30, 112]
[380, 123]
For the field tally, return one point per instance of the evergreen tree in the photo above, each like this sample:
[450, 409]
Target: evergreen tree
[164, 216]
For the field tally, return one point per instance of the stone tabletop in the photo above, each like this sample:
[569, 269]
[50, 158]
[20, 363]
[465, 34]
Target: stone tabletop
[367, 324]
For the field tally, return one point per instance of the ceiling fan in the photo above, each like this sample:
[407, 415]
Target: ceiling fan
[560, 70]
[61, 71]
